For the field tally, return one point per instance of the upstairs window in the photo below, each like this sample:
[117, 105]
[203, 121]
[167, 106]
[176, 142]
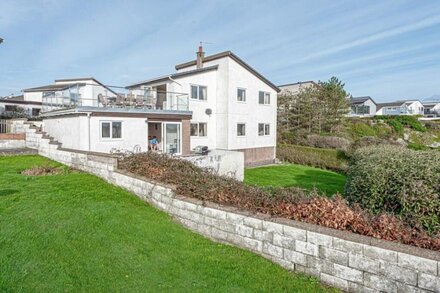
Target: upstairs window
[264, 98]
[263, 129]
[199, 129]
[241, 95]
[241, 129]
[199, 92]
[111, 129]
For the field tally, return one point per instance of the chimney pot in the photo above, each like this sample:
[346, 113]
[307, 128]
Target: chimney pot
[200, 56]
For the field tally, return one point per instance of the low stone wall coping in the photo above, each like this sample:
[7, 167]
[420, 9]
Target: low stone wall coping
[12, 136]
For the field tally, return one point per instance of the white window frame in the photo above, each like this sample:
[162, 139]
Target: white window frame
[198, 92]
[245, 94]
[266, 95]
[164, 141]
[111, 130]
[198, 129]
[236, 129]
[264, 129]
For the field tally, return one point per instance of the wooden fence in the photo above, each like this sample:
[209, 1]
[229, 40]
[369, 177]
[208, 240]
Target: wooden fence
[5, 126]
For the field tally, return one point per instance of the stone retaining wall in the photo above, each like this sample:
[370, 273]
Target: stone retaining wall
[12, 141]
[344, 260]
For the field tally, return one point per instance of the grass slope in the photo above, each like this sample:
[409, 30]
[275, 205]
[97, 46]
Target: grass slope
[75, 232]
[287, 175]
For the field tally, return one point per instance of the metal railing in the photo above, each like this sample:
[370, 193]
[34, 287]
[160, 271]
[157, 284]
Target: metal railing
[5, 126]
[113, 97]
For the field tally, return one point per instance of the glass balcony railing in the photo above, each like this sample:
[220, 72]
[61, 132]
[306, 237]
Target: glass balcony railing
[90, 95]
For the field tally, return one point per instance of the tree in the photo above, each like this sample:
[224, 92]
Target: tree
[317, 108]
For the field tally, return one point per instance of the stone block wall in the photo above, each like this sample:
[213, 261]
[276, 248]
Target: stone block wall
[12, 141]
[351, 262]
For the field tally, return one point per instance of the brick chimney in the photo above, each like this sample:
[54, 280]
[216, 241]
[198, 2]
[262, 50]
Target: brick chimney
[200, 56]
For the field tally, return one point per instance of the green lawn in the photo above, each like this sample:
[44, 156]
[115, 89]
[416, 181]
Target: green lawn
[75, 232]
[287, 175]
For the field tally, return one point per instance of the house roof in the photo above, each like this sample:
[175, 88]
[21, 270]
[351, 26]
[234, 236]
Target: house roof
[85, 78]
[17, 100]
[298, 83]
[174, 76]
[395, 103]
[360, 100]
[76, 79]
[52, 87]
[430, 104]
[236, 59]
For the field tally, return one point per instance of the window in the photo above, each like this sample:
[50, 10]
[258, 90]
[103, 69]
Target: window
[264, 98]
[111, 130]
[360, 109]
[10, 108]
[241, 129]
[263, 129]
[199, 129]
[35, 112]
[241, 95]
[199, 92]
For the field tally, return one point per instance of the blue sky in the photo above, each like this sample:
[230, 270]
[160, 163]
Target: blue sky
[386, 49]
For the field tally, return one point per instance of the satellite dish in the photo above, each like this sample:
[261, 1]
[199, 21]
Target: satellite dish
[208, 111]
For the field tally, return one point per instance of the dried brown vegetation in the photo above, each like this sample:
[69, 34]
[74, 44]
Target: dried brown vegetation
[290, 203]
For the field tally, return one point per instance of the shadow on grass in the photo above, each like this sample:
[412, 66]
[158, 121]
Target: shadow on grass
[329, 183]
[5, 192]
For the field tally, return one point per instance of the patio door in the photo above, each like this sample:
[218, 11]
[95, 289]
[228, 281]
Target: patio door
[172, 134]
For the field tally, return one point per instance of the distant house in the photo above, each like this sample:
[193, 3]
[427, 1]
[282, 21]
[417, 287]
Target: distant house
[69, 92]
[16, 104]
[362, 107]
[296, 87]
[431, 109]
[413, 107]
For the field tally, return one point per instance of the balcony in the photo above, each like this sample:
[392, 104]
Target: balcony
[113, 97]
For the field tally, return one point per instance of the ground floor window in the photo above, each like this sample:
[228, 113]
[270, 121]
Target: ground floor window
[11, 108]
[199, 129]
[241, 129]
[111, 129]
[263, 129]
[35, 112]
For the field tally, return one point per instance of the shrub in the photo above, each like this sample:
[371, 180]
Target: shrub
[361, 129]
[290, 203]
[329, 159]
[319, 141]
[370, 141]
[397, 180]
[398, 122]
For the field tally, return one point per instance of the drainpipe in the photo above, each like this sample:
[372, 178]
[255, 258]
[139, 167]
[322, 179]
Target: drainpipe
[88, 131]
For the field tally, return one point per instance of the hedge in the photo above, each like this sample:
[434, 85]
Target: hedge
[329, 159]
[397, 180]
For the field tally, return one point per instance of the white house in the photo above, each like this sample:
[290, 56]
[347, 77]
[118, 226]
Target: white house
[233, 106]
[294, 88]
[11, 104]
[413, 107]
[431, 109]
[69, 92]
[362, 107]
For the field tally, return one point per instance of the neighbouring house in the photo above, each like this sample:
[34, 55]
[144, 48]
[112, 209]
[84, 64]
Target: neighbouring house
[431, 109]
[17, 106]
[362, 107]
[233, 106]
[294, 88]
[85, 91]
[412, 107]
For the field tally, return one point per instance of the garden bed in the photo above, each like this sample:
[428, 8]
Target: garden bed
[290, 203]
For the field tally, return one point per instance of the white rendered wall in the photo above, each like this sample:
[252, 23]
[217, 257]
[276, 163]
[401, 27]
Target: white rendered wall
[251, 112]
[134, 132]
[229, 112]
[208, 79]
[73, 133]
[33, 96]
